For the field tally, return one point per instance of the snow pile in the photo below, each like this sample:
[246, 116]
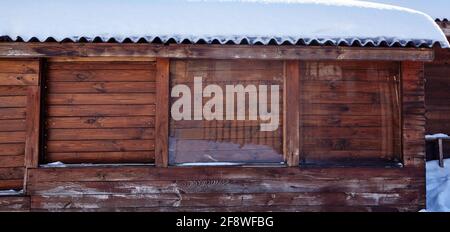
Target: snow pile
[255, 21]
[436, 136]
[438, 187]
[10, 192]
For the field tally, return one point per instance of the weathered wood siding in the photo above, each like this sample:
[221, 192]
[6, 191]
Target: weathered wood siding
[225, 189]
[437, 98]
[16, 79]
[105, 111]
[227, 140]
[100, 111]
[350, 113]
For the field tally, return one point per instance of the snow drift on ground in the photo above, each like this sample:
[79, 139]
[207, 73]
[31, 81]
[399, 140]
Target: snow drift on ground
[438, 186]
[321, 21]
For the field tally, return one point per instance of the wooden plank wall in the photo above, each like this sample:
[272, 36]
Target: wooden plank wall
[350, 113]
[225, 189]
[437, 97]
[17, 77]
[100, 111]
[246, 189]
[226, 140]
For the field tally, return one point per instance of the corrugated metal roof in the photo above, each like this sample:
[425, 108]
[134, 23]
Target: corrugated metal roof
[255, 22]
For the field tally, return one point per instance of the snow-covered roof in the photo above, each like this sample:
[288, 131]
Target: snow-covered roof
[329, 22]
[438, 9]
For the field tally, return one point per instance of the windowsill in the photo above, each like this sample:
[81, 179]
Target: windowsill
[62, 165]
[354, 164]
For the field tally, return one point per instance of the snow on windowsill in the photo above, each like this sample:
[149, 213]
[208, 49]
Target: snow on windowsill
[10, 192]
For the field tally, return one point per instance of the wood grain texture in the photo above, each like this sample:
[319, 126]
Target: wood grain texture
[100, 110]
[291, 133]
[213, 51]
[204, 188]
[162, 113]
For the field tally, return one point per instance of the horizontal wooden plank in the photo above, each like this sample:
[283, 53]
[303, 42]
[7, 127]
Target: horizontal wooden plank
[343, 86]
[101, 110]
[340, 144]
[102, 157]
[13, 101]
[219, 186]
[342, 97]
[231, 76]
[26, 66]
[13, 90]
[11, 184]
[100, 134]
[12, 113]
[12, 149]
[102, 62]
[144, 173]
[214, 51]
[12, 125]
[101, 99]
[224, 133]
[223, 200]
[100, 75]
[101, 87]
[11, 173]
[211, 146]
[340, 121]
[11, 161]
[12, 137]
[100, 145]
[192, 65]
[100, 122]
[342, 132]
[18, 79]
[340, 109]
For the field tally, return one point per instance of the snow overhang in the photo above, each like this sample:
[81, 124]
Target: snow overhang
[298, 22]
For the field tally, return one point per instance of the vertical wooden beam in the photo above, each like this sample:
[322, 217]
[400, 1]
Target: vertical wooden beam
[413, 123]
[291, 128]
[162, 113]
[33, 113]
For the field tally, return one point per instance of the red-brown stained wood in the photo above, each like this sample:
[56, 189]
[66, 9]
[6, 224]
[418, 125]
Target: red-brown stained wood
[100, 111]
[412, 73]
[33, 126]
[291, 132]
[162, 113]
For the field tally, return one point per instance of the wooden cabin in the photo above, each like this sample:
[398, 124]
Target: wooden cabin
[437, 95]
[87, 124]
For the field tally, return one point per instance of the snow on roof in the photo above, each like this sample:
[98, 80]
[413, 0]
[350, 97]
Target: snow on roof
[438, 9]
[336, 22]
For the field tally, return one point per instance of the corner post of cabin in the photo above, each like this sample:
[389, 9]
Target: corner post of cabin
[162, 112]
[291, 141]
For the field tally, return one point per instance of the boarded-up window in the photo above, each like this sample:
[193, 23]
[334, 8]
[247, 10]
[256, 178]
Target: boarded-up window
[100, 112]
[349, 113]
[228, 140]
[15, 78]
